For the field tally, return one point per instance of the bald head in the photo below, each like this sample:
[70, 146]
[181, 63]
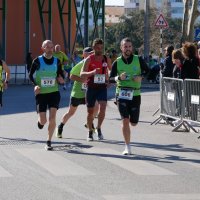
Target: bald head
[57, 48]
[47, 47]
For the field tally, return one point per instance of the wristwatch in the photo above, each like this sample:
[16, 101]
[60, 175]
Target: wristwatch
[7, 82]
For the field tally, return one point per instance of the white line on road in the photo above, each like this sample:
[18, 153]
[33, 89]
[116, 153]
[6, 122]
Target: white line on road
[138, 167]
[54, 163]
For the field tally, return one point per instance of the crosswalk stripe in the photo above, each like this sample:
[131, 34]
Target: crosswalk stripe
[54, 163]
[153, 197]
[138, 167]
[185, 157]
[4, 173]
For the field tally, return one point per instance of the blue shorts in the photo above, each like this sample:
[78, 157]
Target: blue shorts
[95, 94]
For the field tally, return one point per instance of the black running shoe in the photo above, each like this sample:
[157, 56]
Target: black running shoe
[99, 134]
[90, 136]
[40, 126]
[59, 131]
[48, 146]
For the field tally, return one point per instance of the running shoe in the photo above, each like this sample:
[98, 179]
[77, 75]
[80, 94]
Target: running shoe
[127, 151]
[99, 134]
[48, 146]
[59, 132]
[40, 126]
[90, 136]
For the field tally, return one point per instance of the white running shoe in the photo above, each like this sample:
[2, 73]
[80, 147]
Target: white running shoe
[127, 151]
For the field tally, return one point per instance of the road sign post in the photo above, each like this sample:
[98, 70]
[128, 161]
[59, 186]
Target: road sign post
[161, 23]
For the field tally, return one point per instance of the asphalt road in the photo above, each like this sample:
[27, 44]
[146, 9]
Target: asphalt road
[165, 164]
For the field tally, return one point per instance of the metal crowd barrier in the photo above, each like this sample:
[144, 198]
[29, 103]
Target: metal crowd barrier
[171, 91]
[18, 74]
[191, 102]
[180, 101]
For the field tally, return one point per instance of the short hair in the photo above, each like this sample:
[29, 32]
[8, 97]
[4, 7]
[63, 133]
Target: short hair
[127, 39]
[97, 41]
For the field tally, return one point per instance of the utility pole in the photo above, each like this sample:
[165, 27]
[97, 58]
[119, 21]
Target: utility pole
[146, 30]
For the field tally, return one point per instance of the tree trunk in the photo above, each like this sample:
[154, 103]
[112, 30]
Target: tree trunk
[185, 20]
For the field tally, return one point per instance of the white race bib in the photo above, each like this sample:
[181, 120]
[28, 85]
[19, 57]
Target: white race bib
[99, 78]
[125, 94]
[84, 86]
[48, 82]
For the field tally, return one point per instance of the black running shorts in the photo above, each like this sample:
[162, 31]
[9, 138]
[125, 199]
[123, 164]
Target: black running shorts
[129, 108]
[77, 101]
[95, 94]
[47, 101]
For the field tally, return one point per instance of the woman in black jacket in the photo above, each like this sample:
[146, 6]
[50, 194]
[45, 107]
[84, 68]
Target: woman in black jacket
[190, 67]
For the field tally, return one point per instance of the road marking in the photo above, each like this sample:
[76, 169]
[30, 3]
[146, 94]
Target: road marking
[54, 163]
[185, 157]
[4, 173]
[138, 167]
[153, 197]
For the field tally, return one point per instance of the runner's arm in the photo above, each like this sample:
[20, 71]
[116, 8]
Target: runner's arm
[113, 74]
[77, 78]
[35, 65]
[7, 71]
[84, 71]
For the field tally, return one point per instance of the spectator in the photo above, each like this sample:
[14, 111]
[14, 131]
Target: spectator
[168, 65]
[114, 55]
[178, 60]
[190, 67]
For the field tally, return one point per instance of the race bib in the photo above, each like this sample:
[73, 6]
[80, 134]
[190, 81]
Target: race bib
[48, 82]
[125, 94]
[84, 86]
[99, 78]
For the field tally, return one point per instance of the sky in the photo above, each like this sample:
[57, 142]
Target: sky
[114, 2]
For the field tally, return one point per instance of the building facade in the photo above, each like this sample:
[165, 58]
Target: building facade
[113, 14]
[170, 8]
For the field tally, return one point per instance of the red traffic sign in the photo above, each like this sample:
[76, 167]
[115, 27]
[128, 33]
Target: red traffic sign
[161, 22]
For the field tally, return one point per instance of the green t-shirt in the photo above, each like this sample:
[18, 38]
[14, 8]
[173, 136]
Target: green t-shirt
[61, 56]
[132, 69]
[77, 90]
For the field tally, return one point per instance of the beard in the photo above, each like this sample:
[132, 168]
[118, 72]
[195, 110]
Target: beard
[128, 53]
[98, 53]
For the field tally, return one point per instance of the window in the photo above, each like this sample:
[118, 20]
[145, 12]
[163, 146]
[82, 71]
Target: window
[78, 4]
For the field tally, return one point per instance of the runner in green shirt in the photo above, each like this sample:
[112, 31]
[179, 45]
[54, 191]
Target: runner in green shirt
[64, 61]
[77, 93]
